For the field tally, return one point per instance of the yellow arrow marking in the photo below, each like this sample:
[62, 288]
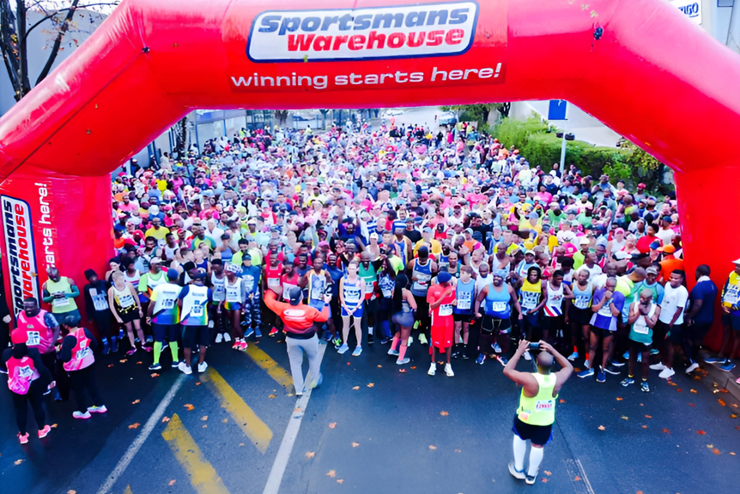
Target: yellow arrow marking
[273, 369]
[256, 430]
[203, 476]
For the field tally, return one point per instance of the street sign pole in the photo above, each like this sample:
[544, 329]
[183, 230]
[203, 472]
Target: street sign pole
[562, 155]
[558, 110]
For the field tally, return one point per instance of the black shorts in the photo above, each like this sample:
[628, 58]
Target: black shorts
[580, 317]
[728, 320]
[193, 336]
[540, 435]
[462, 317]
[602, 333]
[659, 333]
[492, 325]
[163, 332]
[676, 333]
[371, 306]
[552, 324]
[637, 347]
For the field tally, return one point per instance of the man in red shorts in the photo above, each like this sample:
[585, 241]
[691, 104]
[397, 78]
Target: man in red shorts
[441, 299]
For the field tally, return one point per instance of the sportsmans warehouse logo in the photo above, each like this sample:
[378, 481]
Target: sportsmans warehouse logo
[361, 34]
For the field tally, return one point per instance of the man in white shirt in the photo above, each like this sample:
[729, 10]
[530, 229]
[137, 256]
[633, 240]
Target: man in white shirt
[666, 234]
[670, 323]
[214, 232]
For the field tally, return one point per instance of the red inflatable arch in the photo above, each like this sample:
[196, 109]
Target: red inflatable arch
[652, 76]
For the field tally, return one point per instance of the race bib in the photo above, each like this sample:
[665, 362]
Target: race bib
[731, 297]
[126, 301]
[445, 310]
[60, 302]
[641, 326]
[463, 304]
[197, 310]
[387, 293]
[605, 310]
[273, 282]
[34, 338]
[82, 353]
[168, 303]
[544, 405]
[99, 300]
[581, 301]
[498, 306]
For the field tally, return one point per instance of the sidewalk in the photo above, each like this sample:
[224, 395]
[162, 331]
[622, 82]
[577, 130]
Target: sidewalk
[723, 379]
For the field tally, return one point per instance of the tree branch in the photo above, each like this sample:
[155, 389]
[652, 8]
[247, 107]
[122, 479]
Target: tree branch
[58, 42]
[54, 14]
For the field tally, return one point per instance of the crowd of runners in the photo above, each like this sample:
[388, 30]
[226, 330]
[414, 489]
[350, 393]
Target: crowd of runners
[422, 239]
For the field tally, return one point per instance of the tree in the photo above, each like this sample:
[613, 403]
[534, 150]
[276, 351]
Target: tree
[15, 28]
[478, 112]
[282, 117]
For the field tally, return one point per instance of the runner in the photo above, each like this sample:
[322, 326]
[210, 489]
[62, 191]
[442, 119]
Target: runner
[643, 316]
[495, 321]
[607, 309]
[462, 312]
[234, 305]
[61, 292]
[700, 315]
[421, 270]
[441, 298]
[730, 300]
[79, 362]
[126, 308]
[193, 302]
[351, 298]
[217, 282]
[97, 309]
[404, 305]
[669, 332]
[164, 316]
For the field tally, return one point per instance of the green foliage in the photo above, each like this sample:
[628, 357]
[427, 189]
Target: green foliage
[476, 113]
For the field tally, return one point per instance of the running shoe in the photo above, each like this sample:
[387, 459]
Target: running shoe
[114, 345]
[43, 432]
[517, 474]
[106, 348]
[432, 369]
[357, 352]
[448, 370]
[120, 334]
[455, 352]
[611, 370]
[250, 332]
[342, 349]
[496, 348]
[257, 333]
[666, 373]
[23, 438]
[219, 338]
[243, 345]
[727, 366]
[150, 339]
[644, 387]
[131, 352]
[527, 356]
[423, 339]
[531, 479]
[627, 382]
[81, 415]
[585, 363]
[227, 337]
[210, 324]
[393, 352]
[502, 359]
[202, 367]
[235, 346]
[185, 368]
[617, 363]
[713, 360]
[659, 366]
[573, 356]
[317, 384]
[337, 342]
[692, 367]
[155, 367]
[481, 358]
[626, 355]
[370, 339]
[385, 341]
[586, 373]
[273, 332]
[146, 348]
[600, 376]
[326, 336]
[403, 361]
[100, 409]
[175, 364]
[465, 356]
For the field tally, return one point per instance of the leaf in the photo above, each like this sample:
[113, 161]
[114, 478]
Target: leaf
[204, 418]
[110, 365]
[402, 371]
[666, 431]
[310, 454]
[691, 405]
[619, 398]
[577, 478]
[562, 400]
[197, 384]
[678, 389]
[241, 445]
[340, 481]
[348, 363]
[694, 391]
[157, 375]
[271, 396]
[18, 462]
[189, 407]
[136, 402]
[354, 444]
[732, 454]
[356, 388]
[733, 416]
[54, 426]
[165, 419]
[722, 402]
[716, 451]
[331, 473]
[544, 480]
[71, 491]
[139, 363]
[701, 433]
[134, 426]
[380, 366]
[644, 426]
[458, 451]
[602, 428]
[225, 421]
[432, 447]
[648, 417]
[371, 385]
[413, 367]
[332, 425]
[171, 482]
[443, 413]
[123, 361]
[548, 473]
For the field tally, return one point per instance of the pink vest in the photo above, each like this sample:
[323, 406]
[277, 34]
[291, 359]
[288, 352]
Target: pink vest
[21, 373]
[39, 336]
[82, 355]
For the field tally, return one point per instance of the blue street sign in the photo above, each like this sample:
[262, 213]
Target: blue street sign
[557, 109]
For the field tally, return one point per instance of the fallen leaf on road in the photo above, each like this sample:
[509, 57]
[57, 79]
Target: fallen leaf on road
[189, 407]
[544, 480]
[71, 491]
[724, 390]
[134, 426]
[310, 454]
[678, 389]
[443, 413]
[710, 446]
[413, 367]
[624, 417]
[297, 409]
[432, 447]
[165, 419]
[648, 417]
[204, 418]
[241, 445]
[172, 482]
[694, 391]
[331, 473]
[562, 400]
[110, 365]
[666, 431]
[123, 361]
[332, 425]
[734, 405]
[602, 428]
[340, 481]
[18, 462]
[701, 433]
[577, 478]
[672, 383]
[644, 426]
[458, 451]
[380, 366]
[136, 402]
[139, 363]
[548, 473]
[197, 384]
[402, 371]
[271, 396]
[722, 402]
[619, 399]
[356, 388]
[225, 421]
[691, 405]
[54, 426]
[716, 451]
[354, 444]
[371, 385]
[733, 416]
[639, 492]
[157, 375]
[348, 363]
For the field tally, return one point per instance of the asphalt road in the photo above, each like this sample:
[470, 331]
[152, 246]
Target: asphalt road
[371, 428]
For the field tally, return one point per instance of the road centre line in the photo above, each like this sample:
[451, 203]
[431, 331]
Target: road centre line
[273, 369]
[203, 476]
[575, 469]
[255, 429]
[128, 456]
[291, 433]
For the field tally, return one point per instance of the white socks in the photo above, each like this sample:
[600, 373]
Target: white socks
[370, 330]
[535, 458]
[520, 449]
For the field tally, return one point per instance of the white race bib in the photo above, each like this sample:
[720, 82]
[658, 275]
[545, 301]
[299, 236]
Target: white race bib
[34, 338]
[445, 310]
[60, 302]
[197, 310]
[498, 306]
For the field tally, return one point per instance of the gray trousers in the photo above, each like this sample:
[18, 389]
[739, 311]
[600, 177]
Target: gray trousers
[296, 347]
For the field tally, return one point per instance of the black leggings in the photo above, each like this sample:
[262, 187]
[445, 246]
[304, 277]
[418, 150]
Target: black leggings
[35, 396]
[102, 319]
[83, 381]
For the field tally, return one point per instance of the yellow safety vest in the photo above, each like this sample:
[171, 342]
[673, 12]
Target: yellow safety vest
[540, 409]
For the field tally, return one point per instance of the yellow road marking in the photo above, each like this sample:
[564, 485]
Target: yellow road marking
[128, 490]
[256, 430]
[203, 476]
[272, 368]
